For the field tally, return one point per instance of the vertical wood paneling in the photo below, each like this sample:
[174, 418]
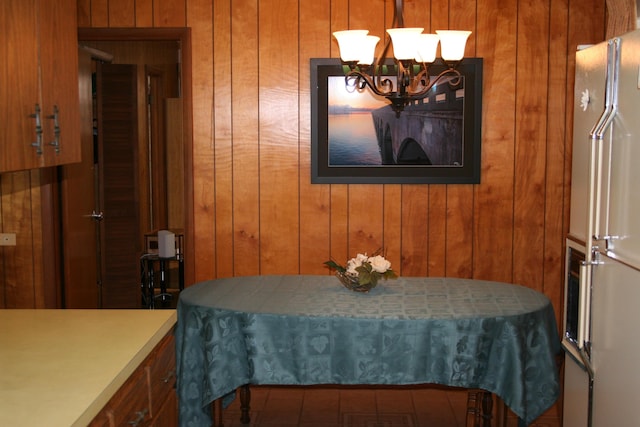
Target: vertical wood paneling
[37, 186]
[460, 201]
[314, 206]
[19, 261]
[169, 13]
[622, 17]
[531, 142]
[366, 202]
[556, 185]
[279, 168]
[438, 197]
[414, 234]
[339, 206]
[99, 13]
[246, 114]
[223, 141]
[122, 13]
[392, 224]
[84, 13]
[200, 20]
[144, 13]
[392, 195]
[414, 231]
[493, 211]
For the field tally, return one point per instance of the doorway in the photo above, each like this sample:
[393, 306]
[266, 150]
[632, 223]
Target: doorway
[159, 154]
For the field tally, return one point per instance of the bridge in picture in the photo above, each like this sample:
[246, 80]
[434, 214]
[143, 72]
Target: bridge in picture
[428, 132]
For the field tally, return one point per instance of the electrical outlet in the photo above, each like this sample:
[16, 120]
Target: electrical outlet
[7, 239]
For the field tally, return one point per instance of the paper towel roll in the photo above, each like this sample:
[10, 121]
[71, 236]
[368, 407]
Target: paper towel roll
[166, 244]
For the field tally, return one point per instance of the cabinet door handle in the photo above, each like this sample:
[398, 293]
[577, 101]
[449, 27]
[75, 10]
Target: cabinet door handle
[97, 216]
[38, 143]
[140, 416]
[168, 377]
[56, 129]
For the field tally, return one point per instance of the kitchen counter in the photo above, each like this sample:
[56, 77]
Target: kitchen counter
[61, 367]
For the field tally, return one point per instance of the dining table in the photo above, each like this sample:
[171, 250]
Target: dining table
[301, 330]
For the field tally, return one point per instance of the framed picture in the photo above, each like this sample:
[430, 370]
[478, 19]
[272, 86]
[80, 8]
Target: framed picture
[357, 138]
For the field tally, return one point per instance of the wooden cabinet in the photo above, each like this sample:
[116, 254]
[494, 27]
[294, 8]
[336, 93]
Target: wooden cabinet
[148, 397]
[39, 106]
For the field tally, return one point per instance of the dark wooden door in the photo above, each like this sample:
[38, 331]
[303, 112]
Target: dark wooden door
[79, 209]
[117, 159]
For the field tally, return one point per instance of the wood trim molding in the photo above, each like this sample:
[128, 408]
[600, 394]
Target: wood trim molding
[622, 16]
[182, 34]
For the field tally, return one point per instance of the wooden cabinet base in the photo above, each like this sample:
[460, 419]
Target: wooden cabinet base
[148, 397]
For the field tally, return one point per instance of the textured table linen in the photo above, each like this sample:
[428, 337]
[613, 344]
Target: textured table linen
[303, 330]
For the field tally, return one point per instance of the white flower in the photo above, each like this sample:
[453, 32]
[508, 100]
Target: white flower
[354, 263]
[379, 264]
[351, 269]
[362, 258]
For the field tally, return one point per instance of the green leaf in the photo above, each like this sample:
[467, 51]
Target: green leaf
[390, 274]
[364, 277]
[374, 278]
[334, 265]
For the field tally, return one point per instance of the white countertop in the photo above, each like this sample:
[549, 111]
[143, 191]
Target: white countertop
[61, 367]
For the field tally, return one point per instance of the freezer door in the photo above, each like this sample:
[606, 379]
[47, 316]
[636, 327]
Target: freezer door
[589, 106]
[620, 232]
[575, 412]
[577, 297]
[614, 343]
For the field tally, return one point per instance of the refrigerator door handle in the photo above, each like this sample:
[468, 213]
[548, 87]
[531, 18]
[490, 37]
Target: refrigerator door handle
[595, 164]
[598, 134]
[584, 310]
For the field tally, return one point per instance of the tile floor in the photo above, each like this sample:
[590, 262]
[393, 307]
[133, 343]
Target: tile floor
[329, 406]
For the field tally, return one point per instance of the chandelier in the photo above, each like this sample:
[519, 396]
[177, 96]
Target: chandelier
[413, 53]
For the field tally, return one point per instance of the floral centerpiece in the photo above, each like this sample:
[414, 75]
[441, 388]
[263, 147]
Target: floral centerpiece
[363, 272]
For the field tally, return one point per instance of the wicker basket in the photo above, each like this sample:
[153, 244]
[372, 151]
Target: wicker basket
[351, 283]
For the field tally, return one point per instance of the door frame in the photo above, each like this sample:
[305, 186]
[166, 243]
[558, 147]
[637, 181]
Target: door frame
[183, 35]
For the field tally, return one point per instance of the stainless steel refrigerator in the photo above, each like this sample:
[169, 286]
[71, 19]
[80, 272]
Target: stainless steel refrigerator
[602, 288]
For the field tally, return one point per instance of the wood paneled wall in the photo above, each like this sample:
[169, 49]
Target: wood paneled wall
[255, 210]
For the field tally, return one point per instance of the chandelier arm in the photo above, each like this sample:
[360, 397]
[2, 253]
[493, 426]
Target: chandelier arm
[421, 78]
[431, 82]
[360, 80]
[380, 62]
[398, 14]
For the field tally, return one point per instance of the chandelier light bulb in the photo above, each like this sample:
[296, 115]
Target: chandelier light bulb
[350, 43]
[368, 49]
[427, 47]
[452, 44]
[404, 42]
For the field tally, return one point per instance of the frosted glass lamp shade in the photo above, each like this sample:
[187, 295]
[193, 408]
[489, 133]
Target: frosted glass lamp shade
[452, 44]
[368, 49]
[350, 43]
[427, 47]
[405, 42]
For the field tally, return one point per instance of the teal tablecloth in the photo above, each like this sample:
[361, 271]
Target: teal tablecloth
[302, 330]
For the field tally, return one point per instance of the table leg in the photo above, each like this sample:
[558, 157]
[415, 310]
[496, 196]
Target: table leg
[487, 407]
[473, 409]
[501, 413]
[151, 279]
[216, 408]
[245, 400]
[163, 279]
[181, 273]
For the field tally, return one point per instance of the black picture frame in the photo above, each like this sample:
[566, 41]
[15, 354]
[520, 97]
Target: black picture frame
[452, 116]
